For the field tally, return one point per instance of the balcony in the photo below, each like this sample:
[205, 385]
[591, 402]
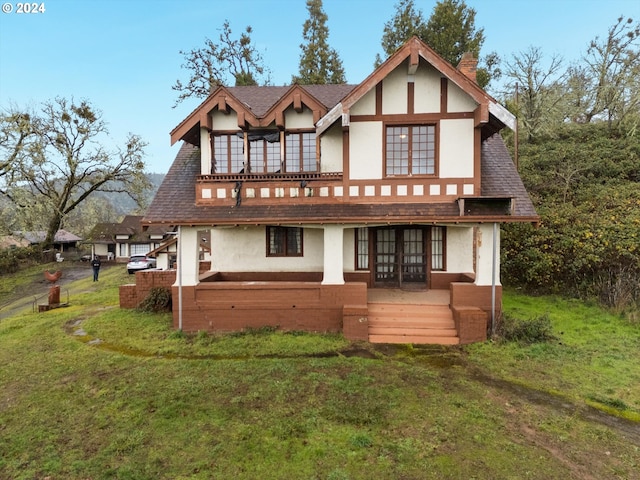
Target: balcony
[270, 177]
[325, 188]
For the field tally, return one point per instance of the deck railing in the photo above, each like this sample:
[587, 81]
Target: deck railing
[270, 177]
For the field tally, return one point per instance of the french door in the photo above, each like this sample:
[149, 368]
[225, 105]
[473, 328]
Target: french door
[400, 257]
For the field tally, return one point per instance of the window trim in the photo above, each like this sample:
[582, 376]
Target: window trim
[411, 125]
[443, 253]
[228, 162]
[286, 231]
[300, 160]
[359, 242]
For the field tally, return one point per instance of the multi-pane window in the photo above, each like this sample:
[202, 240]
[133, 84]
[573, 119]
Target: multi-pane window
[284, 242]
[228, 155]
[410, 150]
[264, 156]
[139, 248]
[437, 248]
[362, 248]
[300, 152]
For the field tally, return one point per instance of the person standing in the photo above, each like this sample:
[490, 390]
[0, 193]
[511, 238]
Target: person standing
[95, 264]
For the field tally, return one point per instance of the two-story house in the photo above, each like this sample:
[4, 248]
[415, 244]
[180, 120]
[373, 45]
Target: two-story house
[370, 209]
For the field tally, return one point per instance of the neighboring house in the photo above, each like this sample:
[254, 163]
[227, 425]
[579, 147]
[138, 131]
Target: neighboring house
[370, 209]
[63, 241]
[12, 241]
[118, 241]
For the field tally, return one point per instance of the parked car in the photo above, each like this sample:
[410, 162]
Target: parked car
[140, 262]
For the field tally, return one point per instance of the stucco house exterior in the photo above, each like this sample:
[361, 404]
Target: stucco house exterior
[370, 209]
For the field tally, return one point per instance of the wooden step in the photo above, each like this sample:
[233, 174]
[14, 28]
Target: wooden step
[431, 332]
[411, 323]
[406, 322]
[417, 339]
[406, 308]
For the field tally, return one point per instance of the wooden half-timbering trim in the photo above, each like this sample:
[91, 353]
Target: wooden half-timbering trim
[481, 115]
[297, 102]
[298, 99]
[477, 160]
[415, 118]
[411, 96]
[345, 157]
[222, 105]
[444, 95]
[379, 99]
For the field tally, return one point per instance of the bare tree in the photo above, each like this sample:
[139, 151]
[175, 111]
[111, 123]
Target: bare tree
[59, 161]
[606, 84]
[228, 62]
[540, 90]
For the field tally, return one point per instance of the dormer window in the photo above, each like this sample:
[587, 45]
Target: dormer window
[301, 152]
[228, 156]
[410, 150]
[265, 152]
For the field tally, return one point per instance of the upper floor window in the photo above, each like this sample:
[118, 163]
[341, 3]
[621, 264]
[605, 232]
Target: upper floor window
[410, 150]
[300, 152]
[228, 155]
[264, 153]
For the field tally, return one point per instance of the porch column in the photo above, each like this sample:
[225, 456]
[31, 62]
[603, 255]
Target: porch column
[205, 151]
[485, 257]
[187, 257]
[333, 254]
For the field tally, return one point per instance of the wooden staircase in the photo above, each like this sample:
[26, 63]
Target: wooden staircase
[411, 323]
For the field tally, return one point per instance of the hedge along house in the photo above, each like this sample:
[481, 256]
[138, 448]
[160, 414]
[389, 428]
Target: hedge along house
[370, 209]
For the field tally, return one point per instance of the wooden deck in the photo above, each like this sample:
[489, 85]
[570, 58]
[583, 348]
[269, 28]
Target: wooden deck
[420, 317]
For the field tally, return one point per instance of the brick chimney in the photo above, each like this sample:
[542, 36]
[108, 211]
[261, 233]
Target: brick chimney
[468, 65]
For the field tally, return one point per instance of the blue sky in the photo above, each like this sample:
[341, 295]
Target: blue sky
[123, 55]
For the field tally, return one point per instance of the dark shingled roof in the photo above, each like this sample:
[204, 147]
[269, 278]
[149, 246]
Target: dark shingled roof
[175, 201]
[260, 99]
[501, 179]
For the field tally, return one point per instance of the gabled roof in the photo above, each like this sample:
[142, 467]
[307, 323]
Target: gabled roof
[131, 226]
[175, 202]
[38, 236]
[413, 51]
[259, 106]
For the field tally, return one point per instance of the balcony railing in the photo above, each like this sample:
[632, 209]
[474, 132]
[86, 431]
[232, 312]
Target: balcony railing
[270, 177]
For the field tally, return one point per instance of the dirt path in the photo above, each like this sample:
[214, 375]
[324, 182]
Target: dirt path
[37, 290]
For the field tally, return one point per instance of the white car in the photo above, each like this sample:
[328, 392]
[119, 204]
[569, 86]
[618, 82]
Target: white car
[140, 262]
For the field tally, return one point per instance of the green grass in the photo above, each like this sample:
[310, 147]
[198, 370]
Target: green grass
[149, 404]
[596, 357]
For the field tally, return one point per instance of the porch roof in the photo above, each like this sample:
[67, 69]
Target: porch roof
[175, 202]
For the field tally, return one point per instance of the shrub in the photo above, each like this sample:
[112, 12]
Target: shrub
[158, 300]
[534, 330]
[11, 259]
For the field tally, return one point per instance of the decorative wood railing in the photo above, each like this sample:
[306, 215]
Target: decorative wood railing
[270, 177]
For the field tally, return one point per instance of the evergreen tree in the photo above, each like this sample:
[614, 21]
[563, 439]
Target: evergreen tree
[451, 31]
[406, 23]
[319, 64]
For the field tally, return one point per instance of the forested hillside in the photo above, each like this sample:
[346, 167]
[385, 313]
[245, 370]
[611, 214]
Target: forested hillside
[585, 182]
[578, 152]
